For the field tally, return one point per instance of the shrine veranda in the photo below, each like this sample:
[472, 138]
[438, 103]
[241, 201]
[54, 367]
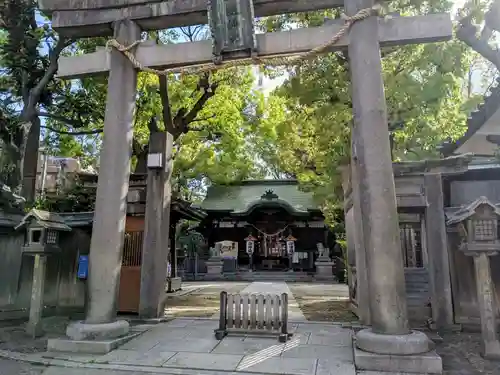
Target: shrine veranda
[383, 346]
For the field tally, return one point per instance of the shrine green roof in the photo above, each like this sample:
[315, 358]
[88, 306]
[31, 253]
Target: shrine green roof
[242, 198]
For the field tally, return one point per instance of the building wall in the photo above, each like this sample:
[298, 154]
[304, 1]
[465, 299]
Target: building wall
[63, 291]
[412, 202]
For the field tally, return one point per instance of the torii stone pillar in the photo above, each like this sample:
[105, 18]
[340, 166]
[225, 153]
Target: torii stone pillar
[388, 345]
[157, 226]
[111, 202]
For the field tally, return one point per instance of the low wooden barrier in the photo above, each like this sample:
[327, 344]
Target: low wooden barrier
[253, 314]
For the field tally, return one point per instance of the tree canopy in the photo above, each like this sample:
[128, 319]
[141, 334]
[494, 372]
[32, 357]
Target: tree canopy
[225, 129]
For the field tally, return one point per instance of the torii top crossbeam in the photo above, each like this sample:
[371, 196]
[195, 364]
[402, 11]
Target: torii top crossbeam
[85, 18]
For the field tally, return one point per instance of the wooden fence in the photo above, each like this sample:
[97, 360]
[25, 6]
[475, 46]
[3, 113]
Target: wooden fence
[253, 313]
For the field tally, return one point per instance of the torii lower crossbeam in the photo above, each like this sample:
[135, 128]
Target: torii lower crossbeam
[392, 31]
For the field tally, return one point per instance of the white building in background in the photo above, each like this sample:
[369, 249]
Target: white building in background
[53, 171]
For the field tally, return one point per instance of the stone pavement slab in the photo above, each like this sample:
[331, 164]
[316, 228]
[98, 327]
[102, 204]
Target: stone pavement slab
[278, 365]
[335, 367]
[245, 345]
[127, 357]
[205, 361]
[9, 367]
[188, 347]
[313, 349]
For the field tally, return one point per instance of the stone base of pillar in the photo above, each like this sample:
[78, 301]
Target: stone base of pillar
[491, 350]
[92, 338]
[214, 266]
[324, 270]
[411, 353]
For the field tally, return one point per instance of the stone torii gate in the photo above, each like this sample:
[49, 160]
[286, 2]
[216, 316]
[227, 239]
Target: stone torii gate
[388, 345]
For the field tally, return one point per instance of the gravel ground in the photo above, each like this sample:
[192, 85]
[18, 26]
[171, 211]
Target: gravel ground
[461, 355]
[323, 302]
[201, 303]
[14, 337]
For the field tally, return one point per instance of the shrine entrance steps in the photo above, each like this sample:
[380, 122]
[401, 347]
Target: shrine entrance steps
[285, 276]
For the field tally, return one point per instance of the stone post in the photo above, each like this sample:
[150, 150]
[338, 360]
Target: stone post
[157, 225]
[437, 249]
[379, 347]
[215, 265]
[34, 325]
[324, 266]
[363, 284]
[373, 166]
[486, 301]
[111, 202]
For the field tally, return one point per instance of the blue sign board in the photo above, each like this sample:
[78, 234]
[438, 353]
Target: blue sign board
[83, 267]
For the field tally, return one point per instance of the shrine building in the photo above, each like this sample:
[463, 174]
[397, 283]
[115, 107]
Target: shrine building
[264, 225]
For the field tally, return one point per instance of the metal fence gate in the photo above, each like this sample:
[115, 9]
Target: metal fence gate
[130, 276]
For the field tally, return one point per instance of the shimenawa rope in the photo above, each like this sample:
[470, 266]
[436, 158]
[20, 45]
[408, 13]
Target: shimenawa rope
[271, 61]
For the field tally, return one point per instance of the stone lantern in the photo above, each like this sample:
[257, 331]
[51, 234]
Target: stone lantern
[232, 28]
[42, 230]
[477, 225]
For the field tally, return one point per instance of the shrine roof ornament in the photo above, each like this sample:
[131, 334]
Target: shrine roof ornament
[456, 215]
[269, 195]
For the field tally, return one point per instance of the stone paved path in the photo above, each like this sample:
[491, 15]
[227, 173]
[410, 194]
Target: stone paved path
[8, 367]
[188, 347]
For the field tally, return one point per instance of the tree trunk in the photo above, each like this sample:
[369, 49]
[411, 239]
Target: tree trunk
[142, 162]
[28, 157]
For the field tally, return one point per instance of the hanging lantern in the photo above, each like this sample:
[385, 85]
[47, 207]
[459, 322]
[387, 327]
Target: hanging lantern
[250, 242]
[290, 244]
[232, 27]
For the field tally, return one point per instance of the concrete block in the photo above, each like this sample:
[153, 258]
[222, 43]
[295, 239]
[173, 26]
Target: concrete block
[87, 346]
[214, 267]
[426, 363]
[324, 270]
[174, 284]
[81, 331]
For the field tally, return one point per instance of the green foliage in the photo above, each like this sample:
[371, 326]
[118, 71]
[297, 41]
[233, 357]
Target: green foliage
[77, 198]
[308, 119]
[189, 240]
